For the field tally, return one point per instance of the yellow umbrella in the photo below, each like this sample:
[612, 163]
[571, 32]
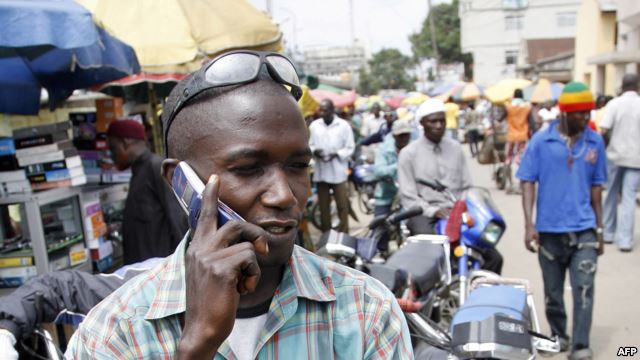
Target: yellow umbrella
[503, 89]
[308, 105]
[415, 98]
[176, 35]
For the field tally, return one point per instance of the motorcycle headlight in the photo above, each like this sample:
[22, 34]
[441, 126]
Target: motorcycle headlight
[492, 233]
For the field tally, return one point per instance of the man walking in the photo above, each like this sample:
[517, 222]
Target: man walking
[621, 127]
[517, 135]
[154, 223]
[567, 160]
[331, 142]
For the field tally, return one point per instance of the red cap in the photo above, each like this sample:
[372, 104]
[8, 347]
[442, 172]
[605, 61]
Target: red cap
[129, 129]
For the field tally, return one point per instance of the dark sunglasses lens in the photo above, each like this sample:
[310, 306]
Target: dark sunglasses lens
[233, 68]
[284, 68]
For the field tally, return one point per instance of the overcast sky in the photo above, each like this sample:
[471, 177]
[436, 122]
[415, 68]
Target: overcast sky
[378, 23]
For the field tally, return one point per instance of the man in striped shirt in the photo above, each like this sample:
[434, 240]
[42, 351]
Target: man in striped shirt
[244, 291]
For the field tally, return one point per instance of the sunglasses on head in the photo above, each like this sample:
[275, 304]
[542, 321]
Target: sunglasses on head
[236, 68]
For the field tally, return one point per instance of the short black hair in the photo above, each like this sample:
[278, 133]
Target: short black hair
[630, 82]
[517, 94]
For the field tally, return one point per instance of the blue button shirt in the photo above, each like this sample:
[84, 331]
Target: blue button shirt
[564, 193]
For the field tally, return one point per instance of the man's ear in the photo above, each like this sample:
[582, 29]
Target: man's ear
[168, 166]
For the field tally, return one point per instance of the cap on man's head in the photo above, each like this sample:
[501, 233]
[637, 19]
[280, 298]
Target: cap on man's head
[431, 106]
[576, 96]
[128, 129]
[401, 127]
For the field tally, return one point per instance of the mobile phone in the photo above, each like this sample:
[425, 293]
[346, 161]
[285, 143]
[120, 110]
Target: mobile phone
[188, 188]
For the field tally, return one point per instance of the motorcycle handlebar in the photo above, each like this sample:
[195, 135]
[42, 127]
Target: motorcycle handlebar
[406, 214]
[437, 186]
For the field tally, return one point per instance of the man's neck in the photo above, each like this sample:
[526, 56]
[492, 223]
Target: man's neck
[270, 279]
[328, 122]
[435, 142]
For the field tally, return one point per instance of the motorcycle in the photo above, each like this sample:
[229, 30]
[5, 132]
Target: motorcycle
[479, 227]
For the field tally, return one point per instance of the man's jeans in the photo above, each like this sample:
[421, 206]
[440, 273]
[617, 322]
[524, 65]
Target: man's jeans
[576, 252]
[619, 221]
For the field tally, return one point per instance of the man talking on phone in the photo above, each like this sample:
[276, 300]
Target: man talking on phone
[243, 290]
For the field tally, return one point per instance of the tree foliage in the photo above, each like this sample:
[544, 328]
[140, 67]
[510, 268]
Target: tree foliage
[388, 70]
[447, 35]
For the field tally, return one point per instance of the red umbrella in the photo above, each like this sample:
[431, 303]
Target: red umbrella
[395, 102]
[346, 98]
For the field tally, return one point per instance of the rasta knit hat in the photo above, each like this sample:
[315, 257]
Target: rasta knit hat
[576, 96]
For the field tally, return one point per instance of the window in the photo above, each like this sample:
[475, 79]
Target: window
[511, 57]
[514, 4]
[566, 19]
[465, 6]
[513, 22]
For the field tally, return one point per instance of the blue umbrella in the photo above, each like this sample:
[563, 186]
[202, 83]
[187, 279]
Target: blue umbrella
[54, 45]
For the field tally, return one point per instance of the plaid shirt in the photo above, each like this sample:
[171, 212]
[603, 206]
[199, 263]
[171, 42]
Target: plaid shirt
[321, 310]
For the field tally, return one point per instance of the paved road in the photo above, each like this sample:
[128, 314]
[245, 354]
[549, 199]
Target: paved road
[616, 319]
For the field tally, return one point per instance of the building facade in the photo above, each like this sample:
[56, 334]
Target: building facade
[496, 32]
[608, 43]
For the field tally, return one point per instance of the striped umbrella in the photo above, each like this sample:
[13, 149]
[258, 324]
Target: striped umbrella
[503, 89]
[467, 91]
[542, 91]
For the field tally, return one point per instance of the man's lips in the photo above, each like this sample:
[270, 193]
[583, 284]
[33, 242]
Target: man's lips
[278, 227]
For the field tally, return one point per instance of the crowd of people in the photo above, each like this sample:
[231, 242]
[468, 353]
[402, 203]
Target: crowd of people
[272, 296]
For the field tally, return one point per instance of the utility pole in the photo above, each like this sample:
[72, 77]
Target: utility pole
[269, 8]
[351, 25]
[434, 45]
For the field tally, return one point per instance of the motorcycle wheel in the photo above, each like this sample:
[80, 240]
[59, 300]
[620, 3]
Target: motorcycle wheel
[365, 195]
[315, 216]
[449, 304]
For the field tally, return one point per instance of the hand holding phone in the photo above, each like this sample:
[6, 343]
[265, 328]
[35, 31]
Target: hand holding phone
[220, 265]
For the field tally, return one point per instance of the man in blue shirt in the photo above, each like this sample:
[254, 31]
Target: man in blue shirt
[568, 162]
[386, 171]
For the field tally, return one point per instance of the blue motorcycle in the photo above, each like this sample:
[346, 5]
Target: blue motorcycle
[479, 226]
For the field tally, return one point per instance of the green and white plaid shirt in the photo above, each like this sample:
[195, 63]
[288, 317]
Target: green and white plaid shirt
[321, 310]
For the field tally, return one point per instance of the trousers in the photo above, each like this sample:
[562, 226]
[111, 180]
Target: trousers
[341, 197]
[576, 253]
[620, 205]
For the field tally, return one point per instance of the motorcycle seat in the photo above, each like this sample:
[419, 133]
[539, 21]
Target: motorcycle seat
[394, 279]
[425, 262]
[485, 302]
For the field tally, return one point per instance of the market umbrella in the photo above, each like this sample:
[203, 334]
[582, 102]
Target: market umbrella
[346, 98]
[415, 98]
[467, 91]
[175, 36]
[542, 91]
[54, 45]
[139, 88]
[503, 89]
[394, 102]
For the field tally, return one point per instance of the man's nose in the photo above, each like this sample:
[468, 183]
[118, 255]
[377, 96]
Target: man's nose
[279, 193]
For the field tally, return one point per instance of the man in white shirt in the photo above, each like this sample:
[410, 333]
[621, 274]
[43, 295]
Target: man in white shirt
[372, 122]
[621, 128]
[331, 142]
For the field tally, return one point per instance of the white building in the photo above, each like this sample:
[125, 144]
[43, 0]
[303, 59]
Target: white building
[496, 32]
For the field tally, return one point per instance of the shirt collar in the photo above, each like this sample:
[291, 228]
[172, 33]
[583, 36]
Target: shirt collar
[305, 277]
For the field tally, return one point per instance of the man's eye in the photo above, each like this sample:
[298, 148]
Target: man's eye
[300, 165]
[246, 170]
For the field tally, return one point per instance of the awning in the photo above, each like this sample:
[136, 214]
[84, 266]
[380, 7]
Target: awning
[616, 57]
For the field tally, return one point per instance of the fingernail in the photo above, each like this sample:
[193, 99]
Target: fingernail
[213, 178]
[266, 246]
